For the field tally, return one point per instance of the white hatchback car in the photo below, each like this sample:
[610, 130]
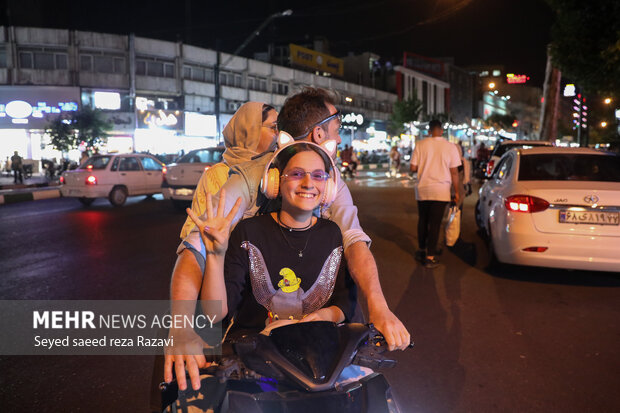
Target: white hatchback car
[114, 177]
[182, 176]
[553, 207]
[503, 147]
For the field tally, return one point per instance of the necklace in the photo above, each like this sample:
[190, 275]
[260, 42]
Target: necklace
[291, 229]
[300, 251]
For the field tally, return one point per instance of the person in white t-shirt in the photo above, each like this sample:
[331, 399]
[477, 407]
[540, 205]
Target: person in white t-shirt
[436, 161]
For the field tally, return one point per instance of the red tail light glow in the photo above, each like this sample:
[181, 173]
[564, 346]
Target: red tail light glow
[62, 179]
[91, 180]
[525, 203]
[164, 170]
[490, 165]
[535, 249]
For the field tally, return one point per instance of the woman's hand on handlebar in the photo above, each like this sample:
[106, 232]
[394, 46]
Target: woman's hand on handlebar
[215, 228]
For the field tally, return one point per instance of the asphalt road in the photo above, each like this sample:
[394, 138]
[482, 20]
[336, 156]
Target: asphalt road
[519, 339]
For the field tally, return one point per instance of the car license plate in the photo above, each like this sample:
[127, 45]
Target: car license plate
[184, 191]
[589, 217]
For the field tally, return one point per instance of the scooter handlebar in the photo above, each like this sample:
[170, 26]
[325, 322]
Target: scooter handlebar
[376, 339]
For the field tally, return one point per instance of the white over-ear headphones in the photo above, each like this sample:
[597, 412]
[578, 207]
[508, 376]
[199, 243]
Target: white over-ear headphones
[270, 183]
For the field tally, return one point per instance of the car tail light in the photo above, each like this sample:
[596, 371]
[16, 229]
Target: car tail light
[345, 164]
[62, 179]
[91, 180]
[535, 249]
[525, 203]
[164, 170]
[490, 165]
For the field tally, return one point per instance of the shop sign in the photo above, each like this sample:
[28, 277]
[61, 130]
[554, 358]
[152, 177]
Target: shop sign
[512, 78]
[353, 119]
[160, 119]
[107, 100]
[197, 124]
[33, 107]
[121, 121]
[569, 90]
[312, 59]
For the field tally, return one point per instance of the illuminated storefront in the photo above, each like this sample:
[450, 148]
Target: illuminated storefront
[157, 131]
[25, 112]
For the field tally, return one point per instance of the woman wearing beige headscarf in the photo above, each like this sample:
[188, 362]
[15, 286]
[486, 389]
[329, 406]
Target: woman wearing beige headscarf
[251, 131]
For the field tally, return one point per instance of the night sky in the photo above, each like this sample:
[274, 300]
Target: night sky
[513, 33]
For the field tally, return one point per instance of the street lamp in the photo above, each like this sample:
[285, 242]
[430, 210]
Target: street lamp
[603, 124]
[607, 101]
[218, 87]
[491, 85]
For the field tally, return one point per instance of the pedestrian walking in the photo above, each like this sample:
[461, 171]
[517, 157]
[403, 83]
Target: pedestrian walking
[394, 161]
[17, 166]
[436, 161]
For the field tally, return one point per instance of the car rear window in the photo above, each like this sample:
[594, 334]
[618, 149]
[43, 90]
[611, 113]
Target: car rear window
[500, 150]
[202, 156]
[569, 167]
[96, 162]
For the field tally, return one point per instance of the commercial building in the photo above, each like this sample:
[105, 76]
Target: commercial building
[159, 95]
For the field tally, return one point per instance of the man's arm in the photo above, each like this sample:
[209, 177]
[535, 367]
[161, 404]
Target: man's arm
[415, 158]
[454, 174]
[185, 285]
[363, 269]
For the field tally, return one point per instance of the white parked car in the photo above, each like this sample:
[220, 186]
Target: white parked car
[503, 147]
[182, 176]
[114, 177]
[553, 207]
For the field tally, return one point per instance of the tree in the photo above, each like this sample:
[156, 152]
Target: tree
[62, 134]
[86, 125]
[404, 112]
[586, 43]
[91, 126]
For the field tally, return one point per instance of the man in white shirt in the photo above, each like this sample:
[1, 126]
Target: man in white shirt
[436, 161]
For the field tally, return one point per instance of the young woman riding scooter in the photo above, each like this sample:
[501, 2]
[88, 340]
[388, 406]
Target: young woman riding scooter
[287, 265]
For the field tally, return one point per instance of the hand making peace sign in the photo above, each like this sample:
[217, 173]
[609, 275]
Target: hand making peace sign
[215, 229]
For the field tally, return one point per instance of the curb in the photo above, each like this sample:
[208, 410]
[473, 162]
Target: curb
[24, 186]
[29, 196]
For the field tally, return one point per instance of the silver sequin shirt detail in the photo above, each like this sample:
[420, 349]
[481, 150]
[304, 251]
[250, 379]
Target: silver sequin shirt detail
[312, 300]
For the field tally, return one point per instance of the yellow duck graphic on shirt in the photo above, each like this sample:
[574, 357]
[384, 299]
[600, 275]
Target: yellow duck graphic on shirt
[289, 282]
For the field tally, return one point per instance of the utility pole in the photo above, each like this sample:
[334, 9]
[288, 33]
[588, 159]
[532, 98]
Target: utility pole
[551, 97]
[218, 65]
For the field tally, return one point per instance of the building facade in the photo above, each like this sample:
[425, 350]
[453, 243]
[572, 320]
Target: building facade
[158, 95]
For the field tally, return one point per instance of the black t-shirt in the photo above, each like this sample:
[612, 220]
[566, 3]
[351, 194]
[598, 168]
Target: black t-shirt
[280, 248]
